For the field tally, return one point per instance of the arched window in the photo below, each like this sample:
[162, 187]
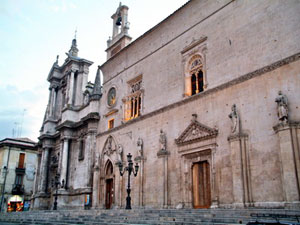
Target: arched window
[194, 75]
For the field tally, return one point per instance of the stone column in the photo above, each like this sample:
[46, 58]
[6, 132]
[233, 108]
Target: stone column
[71, 89]
[289, 140]
[44, 170]
[51, 102]
[64, 163]
[164, 156]
[242, 193]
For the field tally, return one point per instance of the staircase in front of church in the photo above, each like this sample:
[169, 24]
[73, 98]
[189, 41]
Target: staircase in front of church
[149, 216]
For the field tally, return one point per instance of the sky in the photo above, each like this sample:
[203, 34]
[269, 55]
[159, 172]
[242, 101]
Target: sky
[34, 32]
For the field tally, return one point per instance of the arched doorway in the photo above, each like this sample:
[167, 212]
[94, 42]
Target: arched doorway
[109, 185]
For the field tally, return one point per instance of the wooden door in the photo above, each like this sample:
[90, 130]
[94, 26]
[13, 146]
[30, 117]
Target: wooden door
[21, 160]
[201, 185]
[109, 193]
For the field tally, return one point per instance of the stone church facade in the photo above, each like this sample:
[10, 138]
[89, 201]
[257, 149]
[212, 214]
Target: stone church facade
[207, 103]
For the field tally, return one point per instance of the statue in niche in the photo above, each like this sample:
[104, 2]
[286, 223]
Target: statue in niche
[139, 144]
[282, 107]
[235, 120]
[119, 154]
[162, 141]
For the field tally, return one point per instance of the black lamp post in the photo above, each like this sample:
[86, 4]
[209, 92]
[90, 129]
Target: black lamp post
[56, 184]
[130, 170]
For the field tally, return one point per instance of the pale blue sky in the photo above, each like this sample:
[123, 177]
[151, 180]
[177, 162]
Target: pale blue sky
[33, 32]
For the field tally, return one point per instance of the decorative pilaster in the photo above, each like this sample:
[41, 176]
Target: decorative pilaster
[163, 154]
[240, 161]
[64, 163]
[140, 159]
[96, 181]
[289, 142]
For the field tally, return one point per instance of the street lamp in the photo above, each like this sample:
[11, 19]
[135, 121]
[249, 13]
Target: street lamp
[56, 184]
[130, 170]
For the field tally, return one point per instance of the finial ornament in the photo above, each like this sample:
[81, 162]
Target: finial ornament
[282, 107]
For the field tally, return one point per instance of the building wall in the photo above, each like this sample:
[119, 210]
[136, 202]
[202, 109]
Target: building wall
[242, 37]
[30, 165]
[247, 58]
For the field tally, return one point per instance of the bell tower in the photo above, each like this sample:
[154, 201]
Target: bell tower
[120, 37]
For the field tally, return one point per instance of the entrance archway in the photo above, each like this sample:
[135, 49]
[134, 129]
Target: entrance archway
[109, 185]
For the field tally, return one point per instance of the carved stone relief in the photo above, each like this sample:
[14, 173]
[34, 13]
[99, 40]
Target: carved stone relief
[195, 132]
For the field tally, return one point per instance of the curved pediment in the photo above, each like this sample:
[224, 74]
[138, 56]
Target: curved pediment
[196, 132]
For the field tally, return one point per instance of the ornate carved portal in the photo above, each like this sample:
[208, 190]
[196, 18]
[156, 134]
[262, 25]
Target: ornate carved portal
[197, 146]
[108, 184]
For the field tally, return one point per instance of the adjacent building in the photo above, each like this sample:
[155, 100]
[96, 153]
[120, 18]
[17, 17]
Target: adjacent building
[18, 163]
[207, 102]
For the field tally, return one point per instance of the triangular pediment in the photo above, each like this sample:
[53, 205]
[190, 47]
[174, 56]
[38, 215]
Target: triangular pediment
[196, 132]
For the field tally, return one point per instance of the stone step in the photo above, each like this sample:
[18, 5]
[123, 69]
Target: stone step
[139, 216]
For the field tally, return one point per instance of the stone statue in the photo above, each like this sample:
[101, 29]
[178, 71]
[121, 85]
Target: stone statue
[282, 107]
[235, 120]
[140, 146]
[119, 153]
[162, 141]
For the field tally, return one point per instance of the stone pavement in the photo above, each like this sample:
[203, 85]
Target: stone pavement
[148, 216]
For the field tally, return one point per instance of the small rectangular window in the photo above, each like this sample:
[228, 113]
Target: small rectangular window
[111, 123]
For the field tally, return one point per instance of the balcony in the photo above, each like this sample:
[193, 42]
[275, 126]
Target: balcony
[17, 189]
[20, 168]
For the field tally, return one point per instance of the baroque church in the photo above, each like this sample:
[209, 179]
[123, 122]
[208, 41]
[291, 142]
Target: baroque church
[207, 104]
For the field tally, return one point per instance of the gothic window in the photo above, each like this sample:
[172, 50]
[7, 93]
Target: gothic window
[81, 149]
[195, 77]
[133, 102]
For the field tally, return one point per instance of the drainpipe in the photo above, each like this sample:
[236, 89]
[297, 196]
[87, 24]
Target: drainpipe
[6, 171]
